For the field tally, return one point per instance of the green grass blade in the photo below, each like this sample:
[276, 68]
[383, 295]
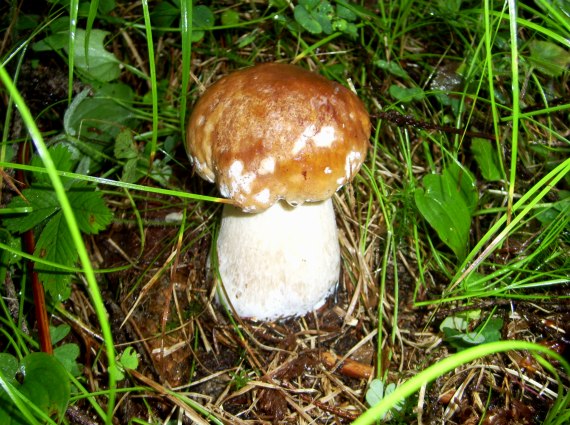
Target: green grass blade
[186, 34]
[153, 82]
[515, 93]
[73, 13]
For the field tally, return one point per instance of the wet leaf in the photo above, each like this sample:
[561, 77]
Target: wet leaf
[98, 63]
[487, 159]
[404, 94]
[447, 201]
[549, 58]
[41, 379]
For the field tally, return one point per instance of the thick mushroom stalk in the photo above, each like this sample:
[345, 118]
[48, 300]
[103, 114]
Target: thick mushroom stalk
[272, 136]
[284, 261]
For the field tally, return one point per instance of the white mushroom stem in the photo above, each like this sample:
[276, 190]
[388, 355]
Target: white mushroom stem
[282, 262]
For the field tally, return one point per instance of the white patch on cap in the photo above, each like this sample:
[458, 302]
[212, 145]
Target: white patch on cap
[301, 142]
[266, 166]
[239, 182]
[325, 137]
[201, 120]
[263, 196]
[350, 164]
[328, 170]
[235, 169]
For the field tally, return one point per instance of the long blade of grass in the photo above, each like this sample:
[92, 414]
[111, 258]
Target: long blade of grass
[186, 34]
[93, 6]
[67, 211]
[116, 183]
[73, 13]
[515, 94]
[153, 82]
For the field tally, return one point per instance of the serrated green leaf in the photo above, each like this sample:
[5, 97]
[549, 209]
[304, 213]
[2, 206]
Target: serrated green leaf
[549, 58]
[124, 145]
[56, 245]
[90, 209]
[44, 204]
[447, 203]
[130, 171]
[487, 159]
[63, 161]
[99, 64]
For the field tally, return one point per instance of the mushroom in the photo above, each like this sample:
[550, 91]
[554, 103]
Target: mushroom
[279, 141]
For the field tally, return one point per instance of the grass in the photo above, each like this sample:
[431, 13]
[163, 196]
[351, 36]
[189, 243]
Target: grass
[469, 104]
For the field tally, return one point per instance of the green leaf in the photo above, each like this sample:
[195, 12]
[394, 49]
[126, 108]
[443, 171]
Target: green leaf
[202, 18]
[378, 391]
[404, 94]
[99, 64]
[90, 209]
[41, 379]
[130, 171]
[67, 354]
[9, 367]
[44, 204]
[447, 202]
[56, 245]
[393, 68]
[124, 145]
[45, 383]
[63, 161]
[549, 58]
[164, 14]
[491, 329]
[58, 333]
[344, 12]
[304, 18]
[375, 392]
[129, 358]
[55, 41]
[487, 159]
[454, 329]
[102, 116]
[230, 17]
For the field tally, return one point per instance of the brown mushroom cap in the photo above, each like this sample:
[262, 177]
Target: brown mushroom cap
[277, 131]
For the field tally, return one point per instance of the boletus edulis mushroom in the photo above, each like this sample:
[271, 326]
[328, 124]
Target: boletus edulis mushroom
[279, 141]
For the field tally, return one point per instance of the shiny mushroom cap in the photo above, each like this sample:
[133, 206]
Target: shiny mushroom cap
[277, 131]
